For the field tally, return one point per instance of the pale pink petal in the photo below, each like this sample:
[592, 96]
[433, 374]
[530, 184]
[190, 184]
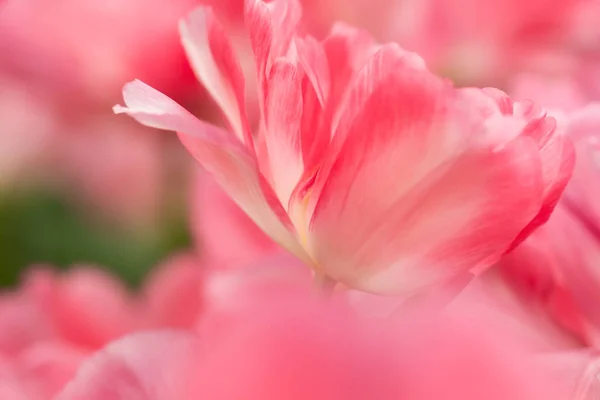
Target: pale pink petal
[173, 292]
[87, 306]
[232, 165]
[429, 195]
[217, 67]
[558, 160]
[223, 233]
[298, 350]
[295, 347]
[13, 386]
[23, 323]
[557, 268]
[315, 96]
[492, 301]
[313, 59]
[528, 119]
[583, 191]
[575, 373]
[282, 132]
[49, 366]
[272, 25]
[145, 366]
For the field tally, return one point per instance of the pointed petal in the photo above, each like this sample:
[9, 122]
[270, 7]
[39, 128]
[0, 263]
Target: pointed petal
[271, 26]
[217, 67]
[231, 164]
[313, 59]
[558, 161]
[283, 117]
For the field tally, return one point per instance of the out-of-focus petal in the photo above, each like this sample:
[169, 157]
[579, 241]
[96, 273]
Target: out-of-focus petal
[23, 323]
[146, 366]
[224, 234]
[87, 306]
[50, 366]
[556, 269]
[173, 292]
[575, 373]
[581, 196]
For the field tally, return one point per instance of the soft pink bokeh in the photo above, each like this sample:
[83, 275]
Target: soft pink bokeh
[59, 78]
[295, 347]
[55, 321]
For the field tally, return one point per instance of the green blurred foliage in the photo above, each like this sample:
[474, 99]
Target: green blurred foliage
[45, 228]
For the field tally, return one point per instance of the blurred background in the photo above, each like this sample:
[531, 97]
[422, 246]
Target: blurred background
[80, 185]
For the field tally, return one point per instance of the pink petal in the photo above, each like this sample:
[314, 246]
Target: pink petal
[558, 160]
[145, 366]
[13, 386]
[312, 57]
[87, 306]
[217, 67]
[49, 366]
[298, 350]
[282, 133]
[231, 164]
[575, 373]
[217, 223]
[315, 97]
[23, 323]
[431, 197]
[556, 268]
[173, 292]
[583, 190]
[493, 301]
[271, 26]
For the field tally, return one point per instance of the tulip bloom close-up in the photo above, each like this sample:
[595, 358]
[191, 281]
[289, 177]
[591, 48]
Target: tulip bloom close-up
[371, 169]
[361, 200]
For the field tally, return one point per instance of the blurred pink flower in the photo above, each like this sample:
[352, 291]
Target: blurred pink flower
[28, 129]
[317, 184]
[54, 322]
[294, 347]
[557, 266]
[56, 124]
[90, 48]
[114, 167]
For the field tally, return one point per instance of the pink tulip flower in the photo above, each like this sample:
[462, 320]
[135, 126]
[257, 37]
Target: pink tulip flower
[368, 167]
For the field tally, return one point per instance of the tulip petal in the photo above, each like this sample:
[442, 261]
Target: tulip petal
[231, 164]
[430, 194]
[217, 221]
[217, 67]
[313, 59]
[271, 26]
[145, 366]
[558, 160]
[283, 118]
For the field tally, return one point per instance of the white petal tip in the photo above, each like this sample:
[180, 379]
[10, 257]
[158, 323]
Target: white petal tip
[119, 109]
